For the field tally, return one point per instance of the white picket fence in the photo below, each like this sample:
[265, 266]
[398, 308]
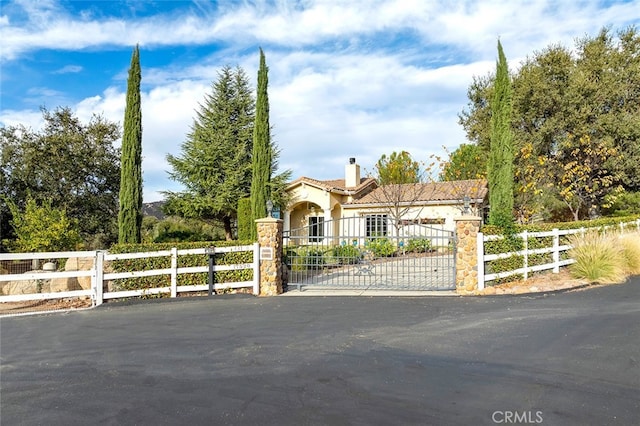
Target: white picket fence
[99, 276]
[556, 248]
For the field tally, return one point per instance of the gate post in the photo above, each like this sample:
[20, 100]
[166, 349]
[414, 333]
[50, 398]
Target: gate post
[467, 228]
[270, 241]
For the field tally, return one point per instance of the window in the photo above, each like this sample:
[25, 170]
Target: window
[316, 228]
[376, 225]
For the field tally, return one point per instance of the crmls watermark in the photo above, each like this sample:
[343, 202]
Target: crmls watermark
[519, 417]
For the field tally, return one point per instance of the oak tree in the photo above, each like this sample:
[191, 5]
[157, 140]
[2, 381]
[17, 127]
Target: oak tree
[72, 164]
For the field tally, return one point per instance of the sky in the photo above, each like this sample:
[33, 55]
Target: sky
[347, 78]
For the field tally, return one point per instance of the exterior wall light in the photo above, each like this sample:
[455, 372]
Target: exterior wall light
[467, 202]
[269, 207]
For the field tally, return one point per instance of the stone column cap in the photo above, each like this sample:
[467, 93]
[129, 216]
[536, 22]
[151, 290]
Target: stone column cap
[268, 220]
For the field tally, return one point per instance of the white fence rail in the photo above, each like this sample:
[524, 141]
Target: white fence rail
[99, 276]
[556, 249]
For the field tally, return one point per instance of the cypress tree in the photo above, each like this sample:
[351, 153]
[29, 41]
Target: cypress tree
[500, 164]
[130, 211]
[262, 153]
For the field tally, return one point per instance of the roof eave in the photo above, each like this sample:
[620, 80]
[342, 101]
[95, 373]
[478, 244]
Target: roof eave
[413, 203]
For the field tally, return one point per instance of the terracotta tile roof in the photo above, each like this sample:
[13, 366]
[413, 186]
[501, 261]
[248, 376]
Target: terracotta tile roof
[332, 184]
[476, 189]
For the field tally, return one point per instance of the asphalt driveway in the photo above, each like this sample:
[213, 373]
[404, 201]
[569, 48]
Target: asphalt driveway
[559, 359]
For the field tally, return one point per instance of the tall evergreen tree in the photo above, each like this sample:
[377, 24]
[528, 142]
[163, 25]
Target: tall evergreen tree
[215, 164]
[500, 164]
[262, 149]
[130, 213]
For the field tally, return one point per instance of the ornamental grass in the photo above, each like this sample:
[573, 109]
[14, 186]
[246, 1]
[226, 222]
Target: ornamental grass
[599, 258]
[630, 244]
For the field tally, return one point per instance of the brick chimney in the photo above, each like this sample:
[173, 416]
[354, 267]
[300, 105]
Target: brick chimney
[352, 173]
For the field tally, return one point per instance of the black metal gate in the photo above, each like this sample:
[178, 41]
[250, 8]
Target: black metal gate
[371, 252]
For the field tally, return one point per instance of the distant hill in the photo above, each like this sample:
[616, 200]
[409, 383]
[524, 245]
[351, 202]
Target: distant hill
[153, 209]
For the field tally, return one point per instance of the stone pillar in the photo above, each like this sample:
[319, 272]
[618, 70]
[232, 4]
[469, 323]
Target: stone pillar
[467, 228]
[270, 241]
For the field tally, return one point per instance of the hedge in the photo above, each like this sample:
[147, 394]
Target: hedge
[512, 243]
[164, 262]
[541, 227]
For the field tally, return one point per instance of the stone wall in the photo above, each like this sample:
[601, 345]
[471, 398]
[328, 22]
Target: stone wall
[26, 286]
[467, 228]
[270, 240]
[52, 285]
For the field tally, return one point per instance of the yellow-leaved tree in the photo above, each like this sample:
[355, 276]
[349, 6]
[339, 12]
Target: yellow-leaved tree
[582, 182]
[42, 228]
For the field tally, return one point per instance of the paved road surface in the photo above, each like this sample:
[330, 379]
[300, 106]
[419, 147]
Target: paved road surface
[558, 359]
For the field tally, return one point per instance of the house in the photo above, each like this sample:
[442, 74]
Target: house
[323, 210]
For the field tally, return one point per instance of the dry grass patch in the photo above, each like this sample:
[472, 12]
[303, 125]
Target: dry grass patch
[631, 252]
[605, 259]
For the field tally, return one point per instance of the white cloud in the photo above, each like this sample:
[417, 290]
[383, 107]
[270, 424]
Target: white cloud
[338, 88]
[167, 115]
[28, 118]
[471, 25]
[321, 111]
[332, 106]
[110, 105]
[69, 69]
[44, 92]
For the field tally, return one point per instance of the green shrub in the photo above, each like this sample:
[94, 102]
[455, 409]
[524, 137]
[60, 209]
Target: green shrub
[504, 245]
[245, 222]
[41, 227]
[346, 254]
[599, 258]
[625, 204]
[381, 247]
[175, 229]
[420, 245]
[305, 258]
[148, 228]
